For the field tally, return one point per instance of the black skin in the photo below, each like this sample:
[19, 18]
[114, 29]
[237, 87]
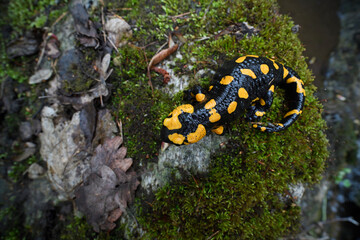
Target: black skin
[261, 87]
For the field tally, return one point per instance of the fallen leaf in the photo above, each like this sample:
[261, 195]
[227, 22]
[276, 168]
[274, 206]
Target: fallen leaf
[239, 30]
[118, 30]
[160, 56]
[109, 188]
[52, 47]
[40, 75]
[87, 32]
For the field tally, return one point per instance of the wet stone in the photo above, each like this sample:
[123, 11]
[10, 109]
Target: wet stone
[26, 131]
[29, 128]
[26, 45]
[35, 171]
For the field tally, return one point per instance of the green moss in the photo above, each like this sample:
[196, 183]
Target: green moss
[17, 170]
[241, 196]
[80, 75]
[21, 16]
[27, 14]
[11, 228]
[139, 109]
[77, 228]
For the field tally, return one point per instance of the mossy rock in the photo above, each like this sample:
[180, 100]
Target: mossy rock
[242, 197]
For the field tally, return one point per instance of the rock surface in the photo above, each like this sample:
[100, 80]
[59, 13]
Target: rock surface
[192, 159]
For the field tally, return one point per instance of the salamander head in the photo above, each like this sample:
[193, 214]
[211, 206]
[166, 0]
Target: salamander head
[180, 127]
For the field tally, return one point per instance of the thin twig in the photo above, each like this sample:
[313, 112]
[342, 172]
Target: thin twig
[345, 219]
[180, 15]
[42, 53]
[59, 19]
[124, 9]
[147, 45]
[112, 44]
[213, 235]
[103, 23]
[322, 223]
[161, 47]
[119, 123]
[41, 97]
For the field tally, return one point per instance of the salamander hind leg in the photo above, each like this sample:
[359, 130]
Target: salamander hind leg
[260, 106]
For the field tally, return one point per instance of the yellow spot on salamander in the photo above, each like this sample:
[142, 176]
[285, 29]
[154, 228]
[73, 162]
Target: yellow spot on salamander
[274, 63]
[286, 72]
[263, 129]
[197, 135]
[226, 80]
[295, 111]
[276, 66]
[256, 99]
[248, 72]
[240, 59]
[259, 114]
[243, 93]
[185, 108]
[272, 88]
[255, 125]
[299, 84]
[177, 138]
[262, 102]
[173, 122]
[200, 97]
[232, 107]
[280, 124]
[211, 87]
[214, 116]
[218, 130]
[264, 68]
[210, 104]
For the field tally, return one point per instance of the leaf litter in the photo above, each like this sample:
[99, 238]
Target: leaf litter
[108, 189]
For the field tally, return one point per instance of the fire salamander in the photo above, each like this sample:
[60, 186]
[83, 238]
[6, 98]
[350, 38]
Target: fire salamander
[246, 83]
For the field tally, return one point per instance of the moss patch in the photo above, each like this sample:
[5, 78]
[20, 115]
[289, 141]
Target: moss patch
[139, 109]
[241, 196]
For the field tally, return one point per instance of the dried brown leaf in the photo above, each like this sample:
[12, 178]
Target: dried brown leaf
[162, 55]
[52, 47]
[109, 188]
[87, 32]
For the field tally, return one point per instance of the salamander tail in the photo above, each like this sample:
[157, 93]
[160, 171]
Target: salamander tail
[295, 95]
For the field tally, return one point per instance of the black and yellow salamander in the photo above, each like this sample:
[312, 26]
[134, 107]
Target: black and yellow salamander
[246, 83]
